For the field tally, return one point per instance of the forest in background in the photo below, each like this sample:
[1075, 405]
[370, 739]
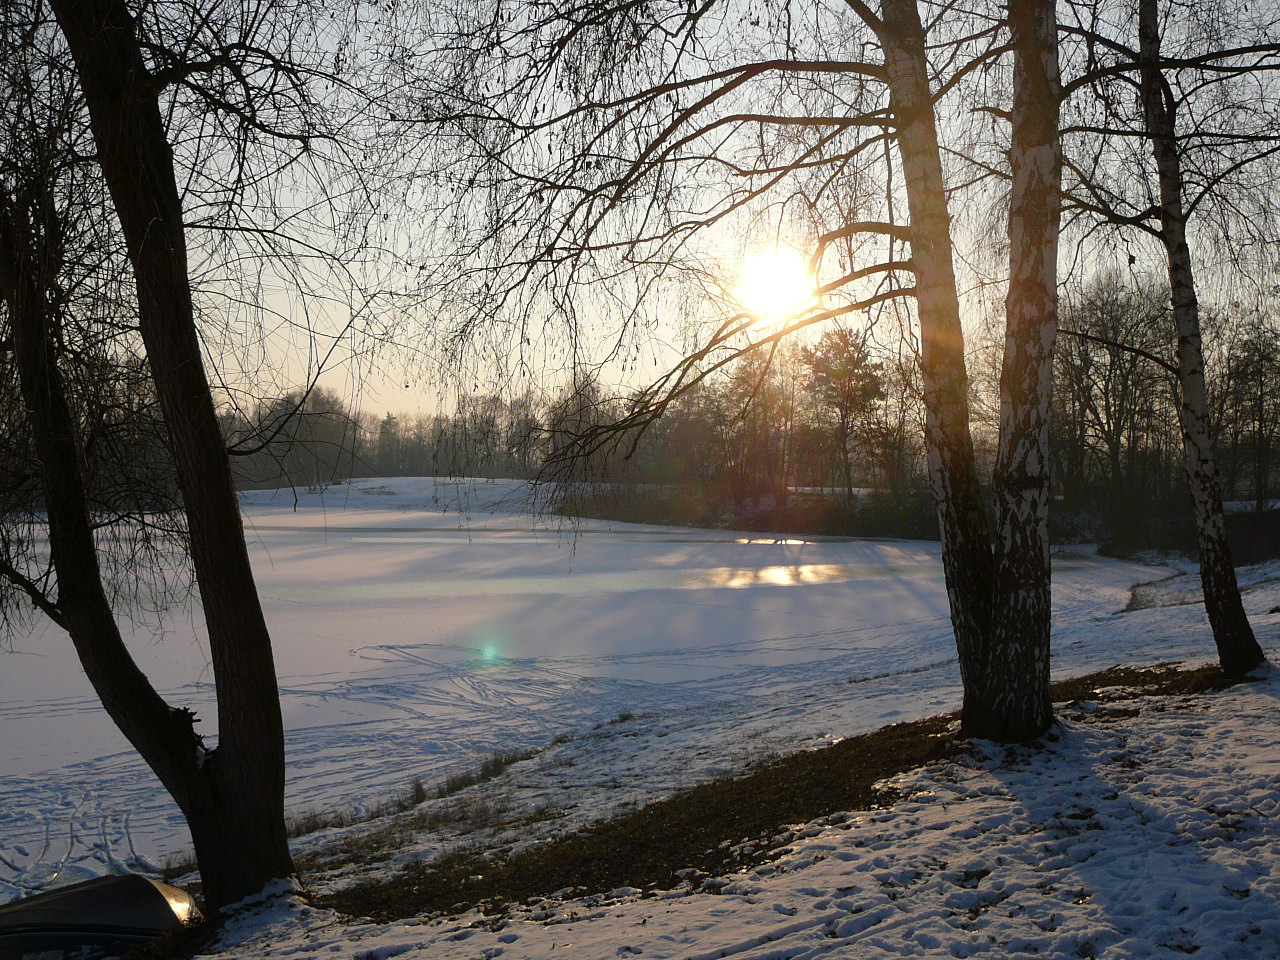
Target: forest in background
[827, 437]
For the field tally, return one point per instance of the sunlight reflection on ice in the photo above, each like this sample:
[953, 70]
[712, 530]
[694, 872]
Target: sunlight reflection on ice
[586, 583]
[778, 576]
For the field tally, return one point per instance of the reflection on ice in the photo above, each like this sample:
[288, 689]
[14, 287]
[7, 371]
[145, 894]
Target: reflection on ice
[586, 583]
[799, 574]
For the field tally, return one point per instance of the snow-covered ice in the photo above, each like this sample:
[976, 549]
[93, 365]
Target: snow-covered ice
[422, 625]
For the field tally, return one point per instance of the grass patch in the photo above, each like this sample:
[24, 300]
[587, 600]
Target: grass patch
[407, 817]
[702, 828]
[176, 866]
[1160, 680]
[490, 768]
[304, 822]
[714, 828]
[459, 816]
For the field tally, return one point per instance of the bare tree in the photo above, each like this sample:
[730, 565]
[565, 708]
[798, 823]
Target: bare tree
[611, 148]
[1117, 384]
[1238, 650]
[297, 441]
[1247, 404]
[1137, 167]
[1021, 649]
[105, 104]
[231, 794]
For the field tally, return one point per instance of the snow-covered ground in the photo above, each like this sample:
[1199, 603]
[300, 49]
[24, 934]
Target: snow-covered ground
[421, 625]
[1147, 836]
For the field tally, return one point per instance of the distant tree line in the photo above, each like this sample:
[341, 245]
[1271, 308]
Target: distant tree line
[827, 421]
[1117, 446]
[828, 436]
[315, 439]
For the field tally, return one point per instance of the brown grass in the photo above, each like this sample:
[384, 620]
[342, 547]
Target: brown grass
[304, 822]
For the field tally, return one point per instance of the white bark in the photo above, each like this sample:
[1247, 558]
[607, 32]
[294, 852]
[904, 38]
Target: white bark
[1238, 650]
[1020, 665]
[966, 550]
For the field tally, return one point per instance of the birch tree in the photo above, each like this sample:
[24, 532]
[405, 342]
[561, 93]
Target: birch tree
[607, 142]
[1021, 649]
[1222, 157]
[1238, 650]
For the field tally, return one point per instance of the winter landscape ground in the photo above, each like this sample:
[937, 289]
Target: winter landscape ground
[422, 626]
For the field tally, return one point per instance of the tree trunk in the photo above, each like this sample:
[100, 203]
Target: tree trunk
[237, 821]
[966, 550]
[1238, 650]
[163, 736]
[845, 439]
[1016, 700]
[1261, 445]
[999, 603]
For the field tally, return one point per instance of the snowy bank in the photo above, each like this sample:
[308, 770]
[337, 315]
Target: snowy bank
[1147, 827]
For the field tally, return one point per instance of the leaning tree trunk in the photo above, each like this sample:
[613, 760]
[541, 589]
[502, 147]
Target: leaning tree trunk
[162, 735]
[1238, 650]
[966, 550]
[1017, 699]
[237, 817]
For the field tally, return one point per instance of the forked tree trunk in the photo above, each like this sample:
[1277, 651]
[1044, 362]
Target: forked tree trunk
[966, 550]
[1000, 606]
[1017, 699]
[236, 808]
[1238, 650]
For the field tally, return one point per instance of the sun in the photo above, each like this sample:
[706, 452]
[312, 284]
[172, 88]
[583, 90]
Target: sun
[775, 284]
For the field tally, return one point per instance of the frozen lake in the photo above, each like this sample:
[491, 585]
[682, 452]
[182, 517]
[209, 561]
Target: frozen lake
[420, 625]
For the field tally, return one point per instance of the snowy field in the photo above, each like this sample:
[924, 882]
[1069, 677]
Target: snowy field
[420, 626]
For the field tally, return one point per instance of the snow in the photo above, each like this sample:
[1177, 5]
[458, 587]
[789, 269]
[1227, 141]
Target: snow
[1128, 836]
[422, 625]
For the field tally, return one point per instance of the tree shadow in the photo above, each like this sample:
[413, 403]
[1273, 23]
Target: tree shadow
[1154, 853]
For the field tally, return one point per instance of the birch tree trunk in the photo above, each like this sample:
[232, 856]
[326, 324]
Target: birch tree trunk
[1000, 603]
[235, 805]
[1017, 702]
[1238, 650]
[966, 547]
